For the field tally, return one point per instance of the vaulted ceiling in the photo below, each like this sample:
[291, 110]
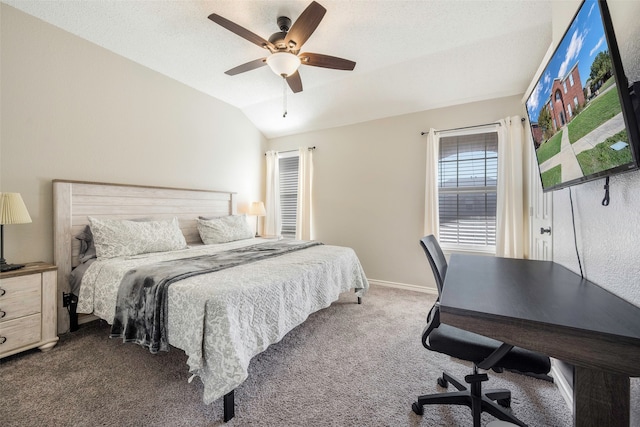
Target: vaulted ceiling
[411, 55]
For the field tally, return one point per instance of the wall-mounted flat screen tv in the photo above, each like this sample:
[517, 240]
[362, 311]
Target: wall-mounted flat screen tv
[581, 116]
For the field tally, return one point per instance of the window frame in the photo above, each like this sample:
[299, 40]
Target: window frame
[282, 156]
[448, 247]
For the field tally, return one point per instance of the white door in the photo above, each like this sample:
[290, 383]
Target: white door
[541, 215]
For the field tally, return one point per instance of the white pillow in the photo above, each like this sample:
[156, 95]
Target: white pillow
[115, 237]
[224, 229]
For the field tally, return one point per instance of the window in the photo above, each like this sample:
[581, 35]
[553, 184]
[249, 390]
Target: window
[564, 84]
[569, 110]
[571, 79]
[467, 190]
[575, 101]
[288, 164]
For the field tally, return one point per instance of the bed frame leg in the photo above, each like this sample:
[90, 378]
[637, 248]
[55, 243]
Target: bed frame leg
[228, 406]
[70, 301]
[359, 300]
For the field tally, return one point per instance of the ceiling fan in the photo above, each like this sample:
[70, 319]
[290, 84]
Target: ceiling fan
[284, 47]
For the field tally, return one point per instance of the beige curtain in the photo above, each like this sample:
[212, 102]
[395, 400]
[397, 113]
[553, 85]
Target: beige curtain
[305, 184]
[431, 209]
[272, 221]
[510, 203]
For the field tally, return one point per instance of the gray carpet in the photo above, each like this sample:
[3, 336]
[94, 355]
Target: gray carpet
[347, 365]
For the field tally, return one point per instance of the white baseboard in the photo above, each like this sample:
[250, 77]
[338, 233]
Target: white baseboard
[86, 318]
[566, 390]
[404, 286]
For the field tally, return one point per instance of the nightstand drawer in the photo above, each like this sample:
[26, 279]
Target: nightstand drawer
[21, 297]
[19, 332]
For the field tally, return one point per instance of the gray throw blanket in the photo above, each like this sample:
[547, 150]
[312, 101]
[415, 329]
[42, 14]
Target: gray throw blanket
[141, 307]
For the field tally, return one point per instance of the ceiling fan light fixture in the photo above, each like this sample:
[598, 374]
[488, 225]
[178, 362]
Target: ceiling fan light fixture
[283, 63]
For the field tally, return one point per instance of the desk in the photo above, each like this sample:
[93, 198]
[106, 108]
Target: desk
[542, 306]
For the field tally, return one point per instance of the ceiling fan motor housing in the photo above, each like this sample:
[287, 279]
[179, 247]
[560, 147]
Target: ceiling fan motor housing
[277, 39]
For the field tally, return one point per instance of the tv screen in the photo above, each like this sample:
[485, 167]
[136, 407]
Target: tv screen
[580, 112]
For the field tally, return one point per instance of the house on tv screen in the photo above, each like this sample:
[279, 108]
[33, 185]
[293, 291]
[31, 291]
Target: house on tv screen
[566, 97]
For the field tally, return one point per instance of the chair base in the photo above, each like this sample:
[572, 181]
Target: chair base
[474, 398]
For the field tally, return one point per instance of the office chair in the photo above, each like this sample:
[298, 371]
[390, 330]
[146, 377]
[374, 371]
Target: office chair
[484, 352]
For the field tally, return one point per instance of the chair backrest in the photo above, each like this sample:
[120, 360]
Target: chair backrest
[436, 259]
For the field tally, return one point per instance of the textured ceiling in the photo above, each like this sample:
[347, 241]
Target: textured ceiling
[411, 55]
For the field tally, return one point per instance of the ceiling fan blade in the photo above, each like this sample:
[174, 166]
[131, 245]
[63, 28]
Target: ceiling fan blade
[326, 61]
[305, 25]
[251, 65]
[295, 82]
[241, 31]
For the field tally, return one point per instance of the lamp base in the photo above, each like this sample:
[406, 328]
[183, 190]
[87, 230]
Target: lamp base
[10, 267]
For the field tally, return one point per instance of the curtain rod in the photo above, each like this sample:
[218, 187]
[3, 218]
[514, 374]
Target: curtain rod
[291, 151]
[463, 127]
[468, 127]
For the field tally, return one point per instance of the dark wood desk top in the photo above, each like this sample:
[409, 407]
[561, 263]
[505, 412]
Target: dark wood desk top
[545, 307]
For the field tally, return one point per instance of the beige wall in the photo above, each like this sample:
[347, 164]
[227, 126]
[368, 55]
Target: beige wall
[369, 185]
[73, 110]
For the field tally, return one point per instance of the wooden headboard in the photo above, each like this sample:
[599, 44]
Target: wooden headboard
[75, 201]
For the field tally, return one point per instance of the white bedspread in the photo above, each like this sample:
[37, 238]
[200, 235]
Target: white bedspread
[222, 319]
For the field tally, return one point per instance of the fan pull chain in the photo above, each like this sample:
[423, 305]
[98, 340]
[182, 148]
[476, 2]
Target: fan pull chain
[284, 96]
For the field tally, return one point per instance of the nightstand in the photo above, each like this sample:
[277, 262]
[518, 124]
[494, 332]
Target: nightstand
[28, 308]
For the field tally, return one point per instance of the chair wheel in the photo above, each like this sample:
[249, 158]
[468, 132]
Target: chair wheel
[506, 403]
[417, 408]
[442, 382]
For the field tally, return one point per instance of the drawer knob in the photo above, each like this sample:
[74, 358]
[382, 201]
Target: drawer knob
[2, 292]
[3, 340]
[2, 314]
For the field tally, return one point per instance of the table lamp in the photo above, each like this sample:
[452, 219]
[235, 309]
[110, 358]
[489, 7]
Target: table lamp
[12, 211]
[257, 209]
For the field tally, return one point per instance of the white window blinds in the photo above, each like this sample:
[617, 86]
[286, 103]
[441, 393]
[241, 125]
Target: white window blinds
[467, 178]
[289, 193]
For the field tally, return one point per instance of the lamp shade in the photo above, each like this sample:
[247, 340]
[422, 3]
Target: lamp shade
[283, 63]
[257, 209]
[12, 209]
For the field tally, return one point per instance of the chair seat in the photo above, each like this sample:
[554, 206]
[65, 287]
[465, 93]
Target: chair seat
[475, 348]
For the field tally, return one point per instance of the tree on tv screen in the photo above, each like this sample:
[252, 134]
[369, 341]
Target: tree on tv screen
[601, 69]
[544, 121]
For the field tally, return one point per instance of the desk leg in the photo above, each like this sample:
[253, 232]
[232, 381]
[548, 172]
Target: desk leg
[600, 399]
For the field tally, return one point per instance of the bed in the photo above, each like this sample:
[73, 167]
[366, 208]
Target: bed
[221, 318]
